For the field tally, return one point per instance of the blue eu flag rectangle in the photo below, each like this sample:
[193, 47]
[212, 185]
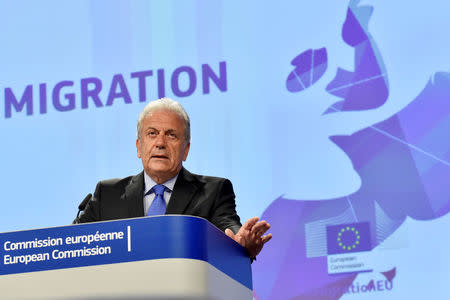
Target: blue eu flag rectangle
[347, 238]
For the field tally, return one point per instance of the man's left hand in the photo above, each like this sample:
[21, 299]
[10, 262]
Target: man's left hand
[250, 235]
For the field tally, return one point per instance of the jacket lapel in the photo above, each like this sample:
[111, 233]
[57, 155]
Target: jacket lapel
[134, 195]
[183, 191]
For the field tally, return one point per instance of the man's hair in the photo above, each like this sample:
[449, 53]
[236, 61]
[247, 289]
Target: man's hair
[166, 104]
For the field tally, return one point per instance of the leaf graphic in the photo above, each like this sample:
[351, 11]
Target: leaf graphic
[309, 67]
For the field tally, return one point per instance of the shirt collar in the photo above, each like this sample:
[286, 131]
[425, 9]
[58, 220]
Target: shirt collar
[150, 183]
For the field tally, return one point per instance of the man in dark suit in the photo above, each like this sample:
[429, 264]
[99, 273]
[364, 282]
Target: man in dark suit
[165, 187]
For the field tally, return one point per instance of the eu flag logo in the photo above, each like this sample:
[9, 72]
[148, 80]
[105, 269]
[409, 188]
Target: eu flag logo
[346, 238]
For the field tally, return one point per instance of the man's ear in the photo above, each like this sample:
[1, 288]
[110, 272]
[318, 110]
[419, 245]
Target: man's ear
[138, 148]
[186, 151]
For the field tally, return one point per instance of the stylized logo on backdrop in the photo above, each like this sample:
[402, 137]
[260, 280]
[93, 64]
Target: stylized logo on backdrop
[347, 238]
[68, 95]
[402, 163]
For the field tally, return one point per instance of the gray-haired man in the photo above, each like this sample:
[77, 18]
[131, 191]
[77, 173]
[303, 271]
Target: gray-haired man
[165, 187]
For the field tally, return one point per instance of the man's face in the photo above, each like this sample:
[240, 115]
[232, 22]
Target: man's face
[162, 146]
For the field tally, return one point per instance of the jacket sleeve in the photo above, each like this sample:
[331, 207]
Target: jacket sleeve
[224, 210]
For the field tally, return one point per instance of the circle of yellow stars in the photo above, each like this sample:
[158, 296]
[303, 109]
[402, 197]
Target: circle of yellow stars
[352, 230]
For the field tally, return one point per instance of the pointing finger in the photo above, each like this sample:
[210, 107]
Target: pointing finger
[250, 222]
[260, 228]
[266, 238]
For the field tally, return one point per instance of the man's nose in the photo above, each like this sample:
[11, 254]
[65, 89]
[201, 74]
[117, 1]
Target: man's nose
[160, 141]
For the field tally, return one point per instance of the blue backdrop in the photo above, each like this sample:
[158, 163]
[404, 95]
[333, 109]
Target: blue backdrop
[331, 118]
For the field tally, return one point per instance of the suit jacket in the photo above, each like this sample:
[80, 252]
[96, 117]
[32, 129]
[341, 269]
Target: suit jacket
[209, 197]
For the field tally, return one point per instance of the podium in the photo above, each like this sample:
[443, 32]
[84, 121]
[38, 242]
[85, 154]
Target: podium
[164, 257]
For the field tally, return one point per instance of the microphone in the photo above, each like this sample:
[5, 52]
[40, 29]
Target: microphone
[83, 204]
